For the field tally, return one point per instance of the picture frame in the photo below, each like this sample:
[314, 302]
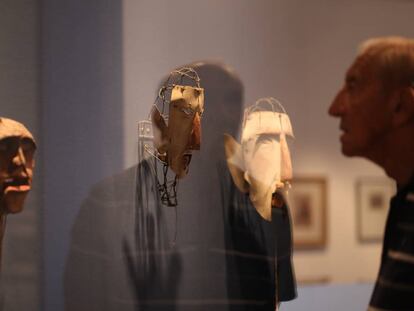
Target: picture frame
[307, 202]
[373, 195]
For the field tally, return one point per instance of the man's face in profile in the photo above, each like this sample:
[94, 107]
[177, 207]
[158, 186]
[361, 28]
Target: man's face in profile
[363, 109]
[17, 149]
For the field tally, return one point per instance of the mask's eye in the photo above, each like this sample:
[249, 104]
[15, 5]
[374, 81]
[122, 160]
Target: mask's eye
[28, 146]
[188, 111]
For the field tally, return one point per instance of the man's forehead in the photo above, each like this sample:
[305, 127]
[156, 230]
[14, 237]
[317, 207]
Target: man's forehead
[11, 128]
[361, 68]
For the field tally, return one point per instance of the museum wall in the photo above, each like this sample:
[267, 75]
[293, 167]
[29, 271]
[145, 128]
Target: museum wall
[82, 118]
[19, 100]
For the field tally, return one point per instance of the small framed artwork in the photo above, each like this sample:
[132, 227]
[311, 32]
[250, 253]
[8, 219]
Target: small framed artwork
[373, 197]
[307, 200]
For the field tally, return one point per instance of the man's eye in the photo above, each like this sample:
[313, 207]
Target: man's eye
[351, 84]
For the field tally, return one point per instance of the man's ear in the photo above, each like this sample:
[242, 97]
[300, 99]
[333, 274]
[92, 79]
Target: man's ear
[403, 107]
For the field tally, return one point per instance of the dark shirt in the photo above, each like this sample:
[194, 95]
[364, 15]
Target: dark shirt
[394, 289]
[213, 252]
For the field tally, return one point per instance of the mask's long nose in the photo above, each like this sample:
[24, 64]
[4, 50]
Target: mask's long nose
[261, 197]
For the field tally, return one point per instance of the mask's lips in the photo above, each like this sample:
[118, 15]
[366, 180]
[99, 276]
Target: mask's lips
[16, 184]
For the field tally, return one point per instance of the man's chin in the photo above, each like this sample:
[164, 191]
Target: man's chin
[13, 201]
[347, 152]
[350, 151]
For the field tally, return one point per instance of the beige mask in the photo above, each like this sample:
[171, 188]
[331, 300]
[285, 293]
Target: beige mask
[261, 164]
[175, 141]
[17, 148]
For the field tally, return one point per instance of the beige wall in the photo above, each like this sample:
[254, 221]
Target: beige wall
[296, 51]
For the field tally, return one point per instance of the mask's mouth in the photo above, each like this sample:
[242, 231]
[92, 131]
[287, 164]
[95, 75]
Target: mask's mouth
[16, 184]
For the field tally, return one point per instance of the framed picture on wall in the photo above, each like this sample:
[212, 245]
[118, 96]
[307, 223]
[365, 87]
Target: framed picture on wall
[373, 196]
[307, 201]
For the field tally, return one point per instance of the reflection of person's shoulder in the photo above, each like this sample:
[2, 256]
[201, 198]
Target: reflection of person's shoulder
[114, 192]
[114, 183]
[120, 188]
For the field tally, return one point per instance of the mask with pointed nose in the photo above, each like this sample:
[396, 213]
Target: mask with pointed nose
[179, 133]
[261, 164]
[17, 148]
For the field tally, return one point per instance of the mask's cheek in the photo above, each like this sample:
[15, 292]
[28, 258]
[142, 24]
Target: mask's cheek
[262, 173]
[14, 201]
[180, 127]
[195, 137]
[160, 131]
[29, 171]
[263, 165]
[4, 163]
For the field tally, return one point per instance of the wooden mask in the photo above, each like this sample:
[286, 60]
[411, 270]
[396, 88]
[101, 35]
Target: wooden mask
[176, 140]
[17, 148]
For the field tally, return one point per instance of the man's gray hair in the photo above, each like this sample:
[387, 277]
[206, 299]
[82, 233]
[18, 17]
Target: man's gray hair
[392, 58]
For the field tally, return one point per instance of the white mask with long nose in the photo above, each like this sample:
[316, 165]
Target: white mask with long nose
[261, 164]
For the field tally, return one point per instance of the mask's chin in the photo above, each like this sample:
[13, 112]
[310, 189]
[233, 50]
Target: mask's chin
[13, 201]
[180, 164]
[261, 196]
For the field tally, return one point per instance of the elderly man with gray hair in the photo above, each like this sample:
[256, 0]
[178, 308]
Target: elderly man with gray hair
[376, 111]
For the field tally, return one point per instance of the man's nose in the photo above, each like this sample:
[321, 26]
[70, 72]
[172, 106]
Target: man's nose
[337, 107]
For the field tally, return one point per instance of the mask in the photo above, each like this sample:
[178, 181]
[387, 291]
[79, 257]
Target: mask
[171, 137]
[175, 141]
[261, 164]
[17, 148]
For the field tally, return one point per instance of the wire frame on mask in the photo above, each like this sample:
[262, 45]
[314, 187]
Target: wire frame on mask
[266, 115]
[261, 104]
[272, 102]
[182, 76]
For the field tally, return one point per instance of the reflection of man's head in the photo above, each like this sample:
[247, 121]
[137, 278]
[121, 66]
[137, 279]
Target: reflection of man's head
[223, 101]
[17, 148]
